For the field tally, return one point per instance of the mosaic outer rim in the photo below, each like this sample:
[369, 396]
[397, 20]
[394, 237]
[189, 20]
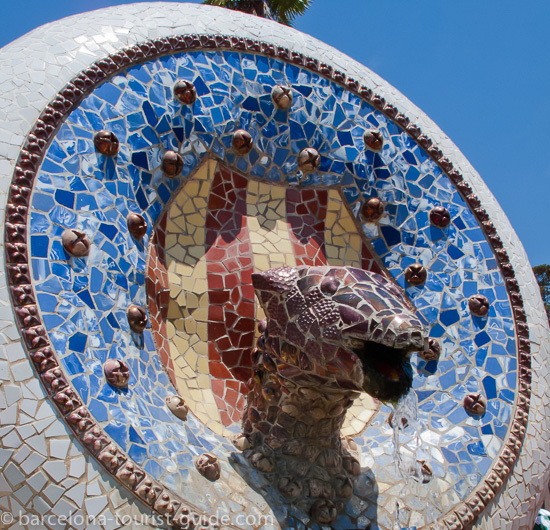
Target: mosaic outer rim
[34, 333]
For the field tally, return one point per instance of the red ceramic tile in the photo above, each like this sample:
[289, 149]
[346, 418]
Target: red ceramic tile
[158, 295]
[219, 370]
[306, 211]
[230, 264]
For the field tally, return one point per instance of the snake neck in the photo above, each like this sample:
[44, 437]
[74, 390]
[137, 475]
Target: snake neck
[292, 433]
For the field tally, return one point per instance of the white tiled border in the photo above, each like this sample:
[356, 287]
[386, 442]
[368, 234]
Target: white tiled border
[43, 470]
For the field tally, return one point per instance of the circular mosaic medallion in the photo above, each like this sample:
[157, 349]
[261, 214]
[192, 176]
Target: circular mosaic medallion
[229, 182]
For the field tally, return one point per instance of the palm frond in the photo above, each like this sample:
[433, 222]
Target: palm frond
[283, 11]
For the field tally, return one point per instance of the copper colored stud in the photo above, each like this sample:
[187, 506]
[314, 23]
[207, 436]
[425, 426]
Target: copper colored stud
[282, 97]
[475, 404]
[241, 142]
[172, 164]
[137, 226]
[373, 140]
[208, 466]
[309, 159]
[185, 92]
[117, 373]
[137, 318]
[75, 242]
[373, 209]
[106, 143]
[478, 305]
[177, 407]
[433, 352]
[415, 274]
[440, 217]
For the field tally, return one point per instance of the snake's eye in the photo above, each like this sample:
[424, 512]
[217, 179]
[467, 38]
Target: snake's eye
[330, 285]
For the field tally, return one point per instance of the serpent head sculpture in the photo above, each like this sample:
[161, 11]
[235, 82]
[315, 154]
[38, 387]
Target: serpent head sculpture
[330, 333]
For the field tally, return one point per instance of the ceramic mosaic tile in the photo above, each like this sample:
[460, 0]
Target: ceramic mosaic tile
[83, 300]
[247, 205]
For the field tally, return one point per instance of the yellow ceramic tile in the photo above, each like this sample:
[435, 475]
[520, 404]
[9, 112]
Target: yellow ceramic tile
[189, 374]
[183, 270]
[174, 311]
[202, 331]
[184, 241]
[179, 343]
[195, 219]
[175, 284]
[190, 358]
[342, 241]
[170, 330]
[190, 325]
[261, 263]
[217, 428]
[253, 187]
[191, 301]
[192, 187]
[268, 230]
[172, 229]
[204, 381]
[202, 365]
[201, 348]
[188, 309]
[196, 394]
[347, 222]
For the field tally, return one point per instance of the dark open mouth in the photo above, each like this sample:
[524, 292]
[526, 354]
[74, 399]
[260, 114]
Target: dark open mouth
[387, 371]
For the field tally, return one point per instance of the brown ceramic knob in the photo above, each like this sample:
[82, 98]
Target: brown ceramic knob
[433, 352]
[137, 318]
[282, 97]
[164, 505]
[324, 511]
[117, 373]
[148, 490]
[106, 143]
[177, 407]
[75, 242]
[137, 226]
[172, 164]
[309, 159]
[415, 274]
[440, 217]
[208, 466]
[373, 139]
[241, 142]
[373, 209]
[478, 305]
[474, 403]
[185, 92]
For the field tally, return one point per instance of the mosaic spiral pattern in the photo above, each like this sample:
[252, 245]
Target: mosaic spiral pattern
[82, 302]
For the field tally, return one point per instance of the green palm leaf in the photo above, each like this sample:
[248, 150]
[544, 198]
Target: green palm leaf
[283, 11]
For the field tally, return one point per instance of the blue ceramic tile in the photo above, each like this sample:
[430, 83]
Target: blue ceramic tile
[76, 188]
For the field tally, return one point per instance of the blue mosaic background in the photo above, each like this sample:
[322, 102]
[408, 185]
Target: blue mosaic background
[83, 301]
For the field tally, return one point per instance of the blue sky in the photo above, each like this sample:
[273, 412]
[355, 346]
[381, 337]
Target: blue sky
[479, 69]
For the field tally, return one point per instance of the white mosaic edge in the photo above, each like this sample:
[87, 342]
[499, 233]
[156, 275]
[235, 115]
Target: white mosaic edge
[43, 470]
